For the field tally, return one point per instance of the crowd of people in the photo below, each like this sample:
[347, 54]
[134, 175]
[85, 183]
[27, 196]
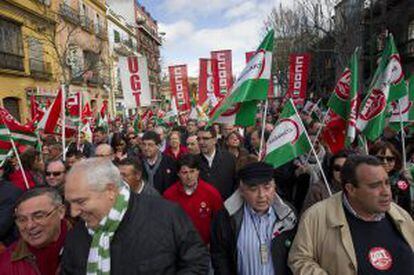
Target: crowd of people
[198, 199]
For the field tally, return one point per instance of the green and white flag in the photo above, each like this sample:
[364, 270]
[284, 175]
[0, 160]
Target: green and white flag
[344, 99]
[386, 86]
[288, 140]
[404, 104]
[240, 106]
[5, 144]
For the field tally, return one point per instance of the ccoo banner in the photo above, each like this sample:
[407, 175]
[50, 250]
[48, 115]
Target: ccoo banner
[224, 71]
[179, 87]
[298, 77]
[207, 87]
[135, 83]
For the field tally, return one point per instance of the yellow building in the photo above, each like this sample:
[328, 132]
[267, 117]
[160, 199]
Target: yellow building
[45, 43]
[26, 59]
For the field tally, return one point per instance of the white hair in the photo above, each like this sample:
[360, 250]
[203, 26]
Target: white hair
[98, 172]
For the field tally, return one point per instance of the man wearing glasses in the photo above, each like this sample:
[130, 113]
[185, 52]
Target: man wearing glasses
[55, 175]
[39, 216]
[217, 166]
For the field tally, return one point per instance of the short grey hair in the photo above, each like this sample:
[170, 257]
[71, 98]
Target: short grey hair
[98, 172]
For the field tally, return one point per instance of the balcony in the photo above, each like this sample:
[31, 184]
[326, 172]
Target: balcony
[101, 32]
[128, 43]
[40, 69]
[86, 23]
[69, 13]
[11, 61]
[409, 48]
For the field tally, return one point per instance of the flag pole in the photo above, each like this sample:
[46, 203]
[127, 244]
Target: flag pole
[63, 122]
[314, 152]
[404, 157]
[263, 128]
[20, 163]
[80, 104]
[318, 134]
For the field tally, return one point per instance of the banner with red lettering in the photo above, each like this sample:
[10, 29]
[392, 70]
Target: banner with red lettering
[135, 82]
[206, 84]
[298, 77]
[270, 92]
[224, 71]
[179, 87]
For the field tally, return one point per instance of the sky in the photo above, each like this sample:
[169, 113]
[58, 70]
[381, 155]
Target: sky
[193, 28]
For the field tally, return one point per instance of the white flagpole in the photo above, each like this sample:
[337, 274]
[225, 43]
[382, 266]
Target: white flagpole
[63, 121]
[20, 163]
[318, 134]
[263, 128]
[80, 104]
[404, 157]
[314, 152]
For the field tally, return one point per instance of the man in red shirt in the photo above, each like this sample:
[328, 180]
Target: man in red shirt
[200, 200]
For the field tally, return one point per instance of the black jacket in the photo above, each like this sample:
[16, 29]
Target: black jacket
[222, 174]
[166, 174]
[225, 231]
[154, 237]
[9, 193]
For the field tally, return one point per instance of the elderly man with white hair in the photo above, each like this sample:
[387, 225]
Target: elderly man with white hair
[123, 232]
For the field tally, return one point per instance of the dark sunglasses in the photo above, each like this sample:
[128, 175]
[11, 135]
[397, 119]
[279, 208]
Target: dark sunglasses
[388, 159]
[55, 174]
[336, 168]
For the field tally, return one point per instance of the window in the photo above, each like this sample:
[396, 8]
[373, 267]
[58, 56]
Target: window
[11, 46]
[117, 36]
[35, 55]
[411, 30]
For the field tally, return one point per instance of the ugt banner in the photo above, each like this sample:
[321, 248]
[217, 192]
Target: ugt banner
[298, 77]
[134, 79]
[206, 84]
[224, 71]
[179, 87]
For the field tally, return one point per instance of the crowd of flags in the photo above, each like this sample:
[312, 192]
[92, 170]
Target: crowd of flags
[388, 101]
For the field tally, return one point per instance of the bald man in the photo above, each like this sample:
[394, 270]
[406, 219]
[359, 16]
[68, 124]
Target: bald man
[104, 150]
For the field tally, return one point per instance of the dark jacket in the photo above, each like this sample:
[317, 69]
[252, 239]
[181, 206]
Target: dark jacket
[166, 174]
[154, 237]
[225, 230]
[8, 196]
[222, 174]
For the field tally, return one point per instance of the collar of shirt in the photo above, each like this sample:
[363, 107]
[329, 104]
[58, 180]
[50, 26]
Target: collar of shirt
[141, 188]
[377, 217]
[210, 158]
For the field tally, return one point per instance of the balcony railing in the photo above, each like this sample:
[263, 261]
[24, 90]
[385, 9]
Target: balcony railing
[86, 23]
[69, 13]
[128, 43]
[101, 31]
[409, 48]
[40, 69]
[11, 61]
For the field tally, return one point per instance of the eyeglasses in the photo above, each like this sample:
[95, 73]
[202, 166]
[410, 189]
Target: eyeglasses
[204, 138]
[336, 168]
[38, 217]
[386, 159]
[131, 137]
[54, 173]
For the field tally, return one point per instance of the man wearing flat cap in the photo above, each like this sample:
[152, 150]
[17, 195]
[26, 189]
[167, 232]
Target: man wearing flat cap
[252, 235]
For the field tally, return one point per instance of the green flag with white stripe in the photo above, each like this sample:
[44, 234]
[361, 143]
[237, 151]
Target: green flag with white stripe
[288, 140]
[240, 106]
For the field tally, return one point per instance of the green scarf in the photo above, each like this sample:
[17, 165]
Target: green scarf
[99, 260]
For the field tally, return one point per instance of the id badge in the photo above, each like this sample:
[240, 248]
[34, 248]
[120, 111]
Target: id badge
[264, 254]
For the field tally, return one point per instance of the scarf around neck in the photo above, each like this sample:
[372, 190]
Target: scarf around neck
[152, 170]
[99, 259]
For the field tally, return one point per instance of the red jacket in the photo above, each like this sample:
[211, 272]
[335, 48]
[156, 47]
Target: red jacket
[19, 258]
[199, 206]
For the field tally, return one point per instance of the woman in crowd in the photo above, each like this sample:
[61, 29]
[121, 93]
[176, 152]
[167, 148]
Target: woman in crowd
[234, 144]
[119, 146]
[392, 163]
[174, 147]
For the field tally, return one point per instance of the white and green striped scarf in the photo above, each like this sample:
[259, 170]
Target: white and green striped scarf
[99, 260]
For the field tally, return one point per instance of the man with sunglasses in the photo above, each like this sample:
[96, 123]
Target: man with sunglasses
[55, 175]
[39, 216]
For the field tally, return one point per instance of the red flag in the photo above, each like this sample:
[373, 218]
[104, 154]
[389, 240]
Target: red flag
[51, 117]
[298, 77]
[206, 83]
[334, 132]
[86, 113]
[179, 87]
[223, 71]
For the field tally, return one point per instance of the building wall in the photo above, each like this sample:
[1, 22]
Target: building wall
[36, 74]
